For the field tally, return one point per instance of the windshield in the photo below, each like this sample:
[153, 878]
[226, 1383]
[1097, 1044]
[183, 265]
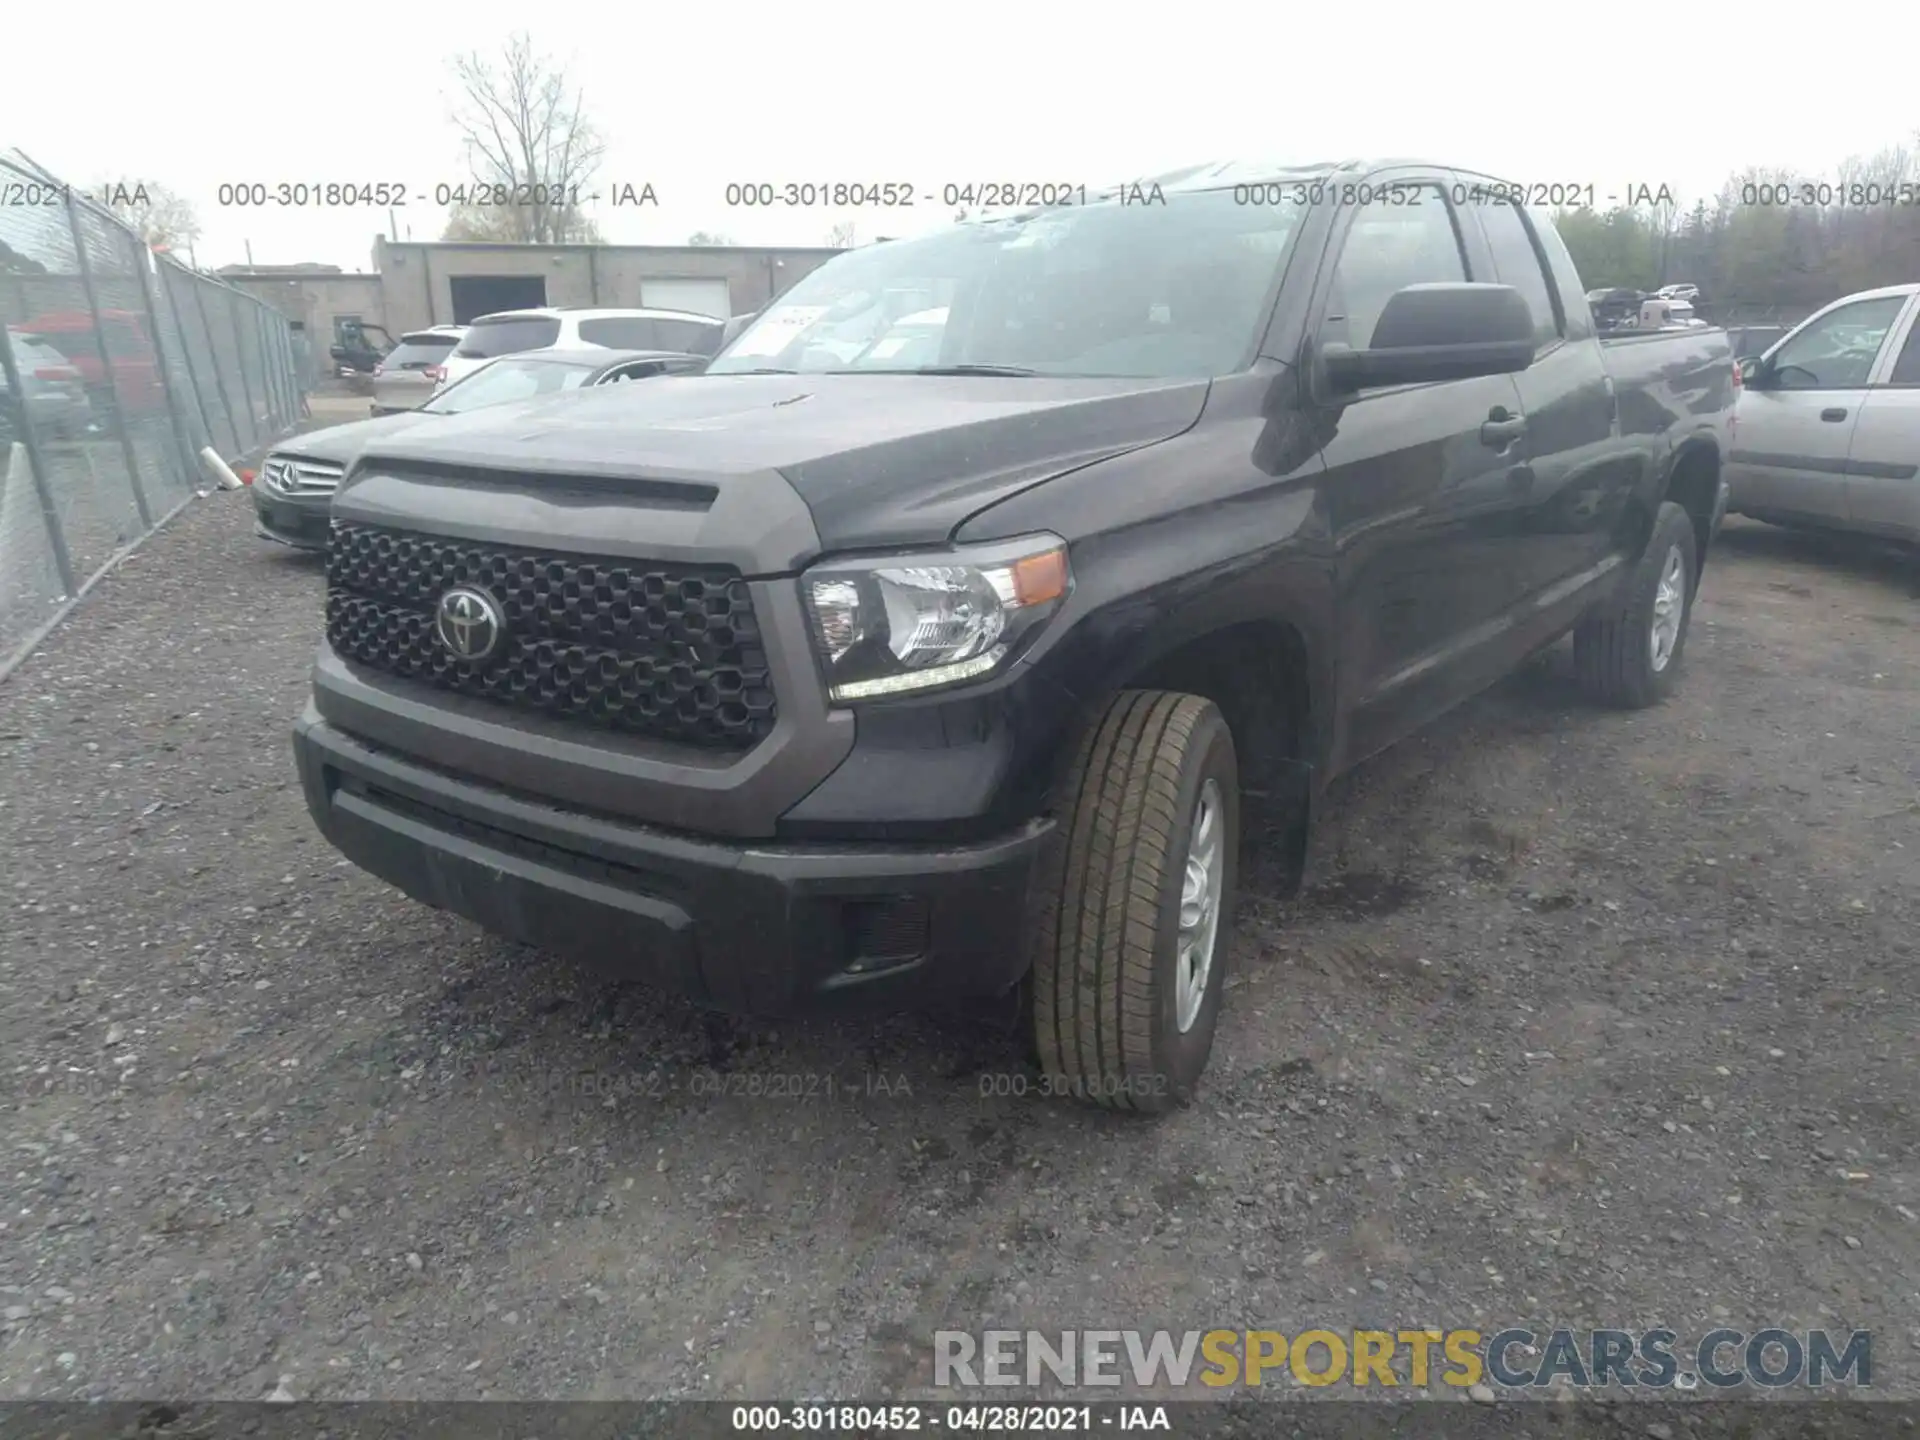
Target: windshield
[651, 332]
[505, 380]
[1174, 288]
[416, 352]
[508, 336]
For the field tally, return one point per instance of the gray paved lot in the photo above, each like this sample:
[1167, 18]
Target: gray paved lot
[1588, 1018]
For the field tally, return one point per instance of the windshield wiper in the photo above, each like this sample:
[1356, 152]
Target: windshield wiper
[763, 370]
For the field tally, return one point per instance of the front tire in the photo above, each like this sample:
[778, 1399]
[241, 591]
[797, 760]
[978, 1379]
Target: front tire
[1629, 654]
[1134, 904]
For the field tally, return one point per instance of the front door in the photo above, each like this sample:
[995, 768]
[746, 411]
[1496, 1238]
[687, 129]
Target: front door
[1797, 416]
[1424, 497]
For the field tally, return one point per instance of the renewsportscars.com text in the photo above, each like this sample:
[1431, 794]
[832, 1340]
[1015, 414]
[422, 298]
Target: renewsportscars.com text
[1413, 1358]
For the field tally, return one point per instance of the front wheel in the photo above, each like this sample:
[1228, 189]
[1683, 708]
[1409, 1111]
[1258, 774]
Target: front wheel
[1629, 654]
[1135, 903]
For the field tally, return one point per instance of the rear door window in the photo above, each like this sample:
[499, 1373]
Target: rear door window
[622, 332]
[1906, 370]
[487, 338]
[417, 354]
[1517, 263]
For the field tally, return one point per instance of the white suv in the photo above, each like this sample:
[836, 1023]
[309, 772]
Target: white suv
[512, 331]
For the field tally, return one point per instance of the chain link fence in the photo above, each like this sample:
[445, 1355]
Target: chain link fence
[117, 367]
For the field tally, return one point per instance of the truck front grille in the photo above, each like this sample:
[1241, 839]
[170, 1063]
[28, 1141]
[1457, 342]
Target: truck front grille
[672, 654]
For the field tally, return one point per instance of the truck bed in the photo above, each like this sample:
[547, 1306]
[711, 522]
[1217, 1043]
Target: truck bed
[1672, 381]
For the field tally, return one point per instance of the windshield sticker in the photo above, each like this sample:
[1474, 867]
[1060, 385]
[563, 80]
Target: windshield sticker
[776, 329]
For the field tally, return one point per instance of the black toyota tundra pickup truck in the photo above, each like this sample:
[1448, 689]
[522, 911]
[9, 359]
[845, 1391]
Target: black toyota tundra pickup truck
[946, 636]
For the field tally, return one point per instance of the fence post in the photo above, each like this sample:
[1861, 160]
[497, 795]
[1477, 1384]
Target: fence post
[106, 366]
[219, 381]
[246, 385]
[37, 467]
[186, 354]
[149, 268]
[266, 370]
[267, 323]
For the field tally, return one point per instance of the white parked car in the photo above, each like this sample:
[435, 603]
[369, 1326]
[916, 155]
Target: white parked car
[1827, 429]
[563, 328]
[408, 374]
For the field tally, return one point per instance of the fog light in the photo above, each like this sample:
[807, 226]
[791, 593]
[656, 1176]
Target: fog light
[885, 934]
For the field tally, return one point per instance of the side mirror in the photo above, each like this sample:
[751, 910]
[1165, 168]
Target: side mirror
[1750, 370]
[1439, 332]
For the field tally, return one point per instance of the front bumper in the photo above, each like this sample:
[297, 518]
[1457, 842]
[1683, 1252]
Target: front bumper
[751, 927]
[303, 524]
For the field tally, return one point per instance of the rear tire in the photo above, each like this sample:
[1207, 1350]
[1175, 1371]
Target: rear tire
[1134, 904]
[1629, 654]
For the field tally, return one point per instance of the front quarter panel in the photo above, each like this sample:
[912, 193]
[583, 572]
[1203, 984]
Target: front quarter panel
[1220, 527]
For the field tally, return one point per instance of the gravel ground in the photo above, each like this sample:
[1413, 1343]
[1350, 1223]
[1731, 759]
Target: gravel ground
[1584, 1018]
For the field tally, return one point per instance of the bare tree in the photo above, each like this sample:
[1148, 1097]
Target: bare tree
[841, 237]
[709, 237]
[161, 217]
[528, 144]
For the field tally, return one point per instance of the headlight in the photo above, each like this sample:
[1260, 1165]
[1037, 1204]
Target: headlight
[910, 622]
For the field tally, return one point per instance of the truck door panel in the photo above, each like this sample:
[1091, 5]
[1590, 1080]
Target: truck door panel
[1797, 420]
[1423, 515]
[1581, 475]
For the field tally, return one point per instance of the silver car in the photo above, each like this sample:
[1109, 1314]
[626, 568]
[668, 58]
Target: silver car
[407, 374]
[56, 392]
[294, 490]
[1827, 431]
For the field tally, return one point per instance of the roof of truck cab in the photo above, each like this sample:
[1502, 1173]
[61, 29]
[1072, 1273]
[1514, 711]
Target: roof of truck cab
[1221, 174]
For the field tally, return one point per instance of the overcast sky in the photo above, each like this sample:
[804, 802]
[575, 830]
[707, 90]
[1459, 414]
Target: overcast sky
[691, 97]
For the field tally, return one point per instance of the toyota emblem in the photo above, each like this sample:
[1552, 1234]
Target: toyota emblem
[469, 623]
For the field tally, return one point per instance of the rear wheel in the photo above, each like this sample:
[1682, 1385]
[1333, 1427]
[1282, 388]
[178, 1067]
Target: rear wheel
[1134, 907]
[1629, 654]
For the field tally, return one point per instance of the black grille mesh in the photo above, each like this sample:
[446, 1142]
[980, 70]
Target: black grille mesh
[671, 654]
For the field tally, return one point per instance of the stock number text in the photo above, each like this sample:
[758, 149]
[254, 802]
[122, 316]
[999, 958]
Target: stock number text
[1823, 194]
[769, 195]
[297, 194]
[1099, 1087]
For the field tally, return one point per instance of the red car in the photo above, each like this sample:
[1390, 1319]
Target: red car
[135, 380]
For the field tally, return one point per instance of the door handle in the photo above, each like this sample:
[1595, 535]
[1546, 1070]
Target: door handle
[1835, 413]
[1502, 428]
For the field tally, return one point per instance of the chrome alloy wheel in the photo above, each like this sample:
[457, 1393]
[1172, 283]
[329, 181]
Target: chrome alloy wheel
[1200, 888]
[1669, 608]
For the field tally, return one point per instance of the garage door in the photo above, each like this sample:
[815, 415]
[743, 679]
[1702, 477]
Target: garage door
[702, 297]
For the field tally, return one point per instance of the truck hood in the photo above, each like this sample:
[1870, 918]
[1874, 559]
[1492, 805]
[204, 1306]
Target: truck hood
[877, 459]
[342, 444]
